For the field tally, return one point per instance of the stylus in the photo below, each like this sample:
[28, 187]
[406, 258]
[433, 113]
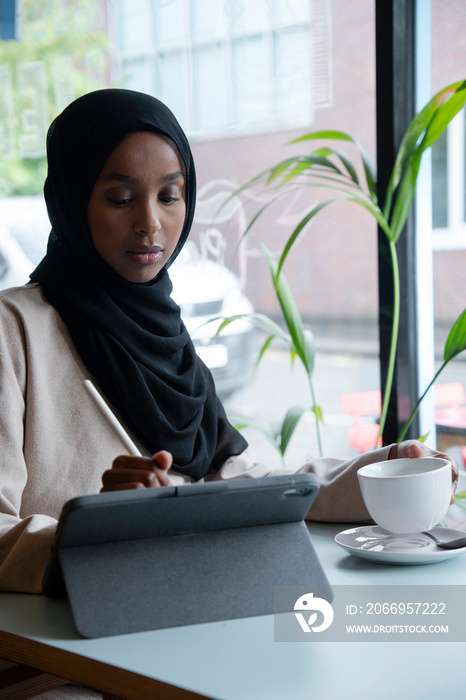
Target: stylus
[111, 418]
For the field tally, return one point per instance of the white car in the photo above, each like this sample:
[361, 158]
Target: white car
[15, 266]
[206, 290]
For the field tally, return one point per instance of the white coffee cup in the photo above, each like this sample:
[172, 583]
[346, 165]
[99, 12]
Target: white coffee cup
[406, 496]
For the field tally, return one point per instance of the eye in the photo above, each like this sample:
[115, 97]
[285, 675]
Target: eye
[166, 199]
[119, 196]
[119, 202]
[170, 195]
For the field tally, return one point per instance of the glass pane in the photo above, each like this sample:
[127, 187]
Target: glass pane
[7, 115]
[251, 78]
[139, 75]
[208, 19]
[135, 25]
[449, 256]
[293, 85]
[249, 16]
[244, 79]
[211, 88]
[440, 183]
[332, 271]
[292, 12]
[464, 170]
[171, 80]
[170, 21]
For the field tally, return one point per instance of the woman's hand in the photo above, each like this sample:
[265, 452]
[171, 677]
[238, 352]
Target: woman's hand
[414, 449]
[138, 472]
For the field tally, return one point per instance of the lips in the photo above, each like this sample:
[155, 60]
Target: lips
[146, 255]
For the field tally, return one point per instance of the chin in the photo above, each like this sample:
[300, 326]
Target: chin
[143, 276]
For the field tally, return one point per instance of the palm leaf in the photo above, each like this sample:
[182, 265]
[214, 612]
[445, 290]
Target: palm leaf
[430, 121]
[291, 420]
[264, 348]
[291, 316]
[342, 136]
[405, 197]
[260, 321]
[271, 437]
[349, 167]
[279, 169]
[302, 224]
[456, 341]
[444, 114]
[317, 411]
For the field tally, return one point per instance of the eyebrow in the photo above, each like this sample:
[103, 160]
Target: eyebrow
[134, 180]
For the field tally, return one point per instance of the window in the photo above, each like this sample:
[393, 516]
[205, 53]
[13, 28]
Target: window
[448, 201]
[449, 187]
[227, 65]
[244, 78]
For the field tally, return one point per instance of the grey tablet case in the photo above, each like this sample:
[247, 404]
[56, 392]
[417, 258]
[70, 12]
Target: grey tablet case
[148, 559]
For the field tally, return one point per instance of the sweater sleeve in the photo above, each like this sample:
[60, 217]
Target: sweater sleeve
[339, 498]
[24, 542]
[24, 551]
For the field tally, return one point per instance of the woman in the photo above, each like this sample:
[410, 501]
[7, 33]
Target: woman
[120, 193]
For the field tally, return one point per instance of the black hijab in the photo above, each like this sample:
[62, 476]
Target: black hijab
[129, 335]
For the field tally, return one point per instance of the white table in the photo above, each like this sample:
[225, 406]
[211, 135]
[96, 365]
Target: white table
[238, 659]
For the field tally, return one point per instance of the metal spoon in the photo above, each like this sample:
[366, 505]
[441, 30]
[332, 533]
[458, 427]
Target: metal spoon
[455, 543]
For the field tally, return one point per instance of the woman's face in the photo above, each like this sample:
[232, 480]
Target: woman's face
[137, 208]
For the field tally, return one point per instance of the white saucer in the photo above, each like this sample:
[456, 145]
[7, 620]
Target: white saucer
[376, 544]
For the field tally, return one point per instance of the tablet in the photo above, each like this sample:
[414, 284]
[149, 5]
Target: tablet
[137, 551]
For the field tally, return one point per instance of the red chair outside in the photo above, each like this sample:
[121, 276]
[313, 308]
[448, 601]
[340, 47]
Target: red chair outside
[362, 404]
[450, 411]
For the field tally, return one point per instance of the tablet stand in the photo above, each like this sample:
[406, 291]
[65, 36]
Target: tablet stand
[168, 581]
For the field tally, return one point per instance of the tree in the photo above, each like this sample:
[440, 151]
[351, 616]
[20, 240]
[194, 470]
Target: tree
[63, 54]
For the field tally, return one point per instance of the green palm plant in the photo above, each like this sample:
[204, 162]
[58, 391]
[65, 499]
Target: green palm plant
[455, 343]
[300, 343]
[330, 169]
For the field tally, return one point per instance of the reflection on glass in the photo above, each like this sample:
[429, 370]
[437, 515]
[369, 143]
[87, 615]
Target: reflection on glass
[293, 82]
[212, 106]
[251, 79]
[171, 71]
[169, 20]
[209, 19]
[244, 78]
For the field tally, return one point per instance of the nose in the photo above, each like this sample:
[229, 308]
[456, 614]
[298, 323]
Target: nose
[147, 217]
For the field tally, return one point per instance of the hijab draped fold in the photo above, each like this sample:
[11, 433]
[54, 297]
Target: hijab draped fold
[130, 336]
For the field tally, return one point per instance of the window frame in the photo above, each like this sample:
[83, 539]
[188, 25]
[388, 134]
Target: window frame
[453, 236]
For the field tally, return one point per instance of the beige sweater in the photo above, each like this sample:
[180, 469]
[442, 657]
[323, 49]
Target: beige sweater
[55, 445]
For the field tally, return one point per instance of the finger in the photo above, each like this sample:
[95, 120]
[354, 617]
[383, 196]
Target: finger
[144, 477]
[130, 485]
[453, 464]
[163, 459]
[400, 450]
[454, 476]
[409, 449]
[416, 450]
[162, 477]
[132, 462]
[116, 481]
